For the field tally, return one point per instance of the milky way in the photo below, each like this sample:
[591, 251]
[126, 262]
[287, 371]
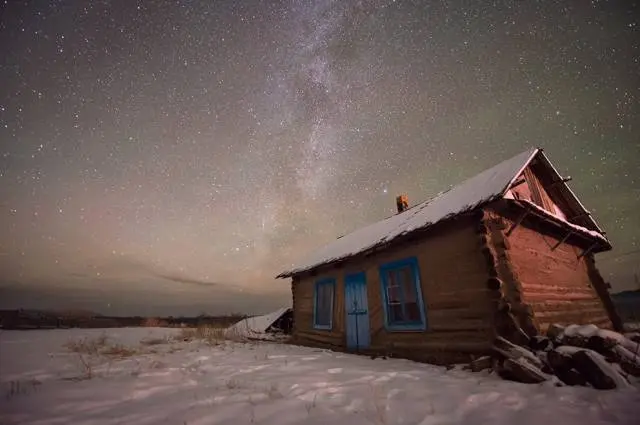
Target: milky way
[168, 157]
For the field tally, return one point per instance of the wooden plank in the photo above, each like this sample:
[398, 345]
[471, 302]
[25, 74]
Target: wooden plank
[585, 288]
[595, 305]
[551, 297]
[439, 315]
[553, 282]
[449, 335]
[464, 346]
[321, 339]
[569, 317]
[468, 325]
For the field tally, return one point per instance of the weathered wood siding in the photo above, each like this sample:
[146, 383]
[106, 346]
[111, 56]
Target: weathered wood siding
[554, 285]
[453, 276]
[303, 296]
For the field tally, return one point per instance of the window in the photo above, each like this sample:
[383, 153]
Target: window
[323, 304]
[402, 295]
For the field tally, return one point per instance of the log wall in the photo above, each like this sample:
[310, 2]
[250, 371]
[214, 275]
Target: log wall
[546, 286]
[453, 274]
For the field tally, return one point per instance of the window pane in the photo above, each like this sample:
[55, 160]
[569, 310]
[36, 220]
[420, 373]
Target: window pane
[394, 294]
[395, 313]
[413, 312]
[324, 297]
[408, 285]
[391, 278]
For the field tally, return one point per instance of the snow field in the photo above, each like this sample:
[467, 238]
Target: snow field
[151, 376]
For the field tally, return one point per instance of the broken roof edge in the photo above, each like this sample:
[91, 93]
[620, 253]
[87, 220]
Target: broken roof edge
[570, 193]
[572, 227]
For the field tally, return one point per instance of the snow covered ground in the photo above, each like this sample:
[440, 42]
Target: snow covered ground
[161, 381]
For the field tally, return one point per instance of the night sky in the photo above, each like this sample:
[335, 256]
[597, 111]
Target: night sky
[171, 157]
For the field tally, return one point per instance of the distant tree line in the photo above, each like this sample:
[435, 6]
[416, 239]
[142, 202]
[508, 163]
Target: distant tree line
[37, 319]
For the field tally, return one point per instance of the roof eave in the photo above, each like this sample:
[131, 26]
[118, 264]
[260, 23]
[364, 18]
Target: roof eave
[602, 243]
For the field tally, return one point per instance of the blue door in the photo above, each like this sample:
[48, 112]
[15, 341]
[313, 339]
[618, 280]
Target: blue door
[357, 311]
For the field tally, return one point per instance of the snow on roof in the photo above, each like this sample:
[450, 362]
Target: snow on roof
[256, 324]
[470, 194]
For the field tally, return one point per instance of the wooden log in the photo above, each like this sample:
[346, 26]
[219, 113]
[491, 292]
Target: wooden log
[633, 336]
[571, 316]
[461, 325]
[522, 371]
[444, 337]
[494, 284]
[554, 332]
[571, 377]
[629, 361]
[472, 347]
[507, 327]
[515, 352]
[504, 305]
[318, 339]
[479, 364]
[449, 314]
[558, 360]
[561, 298]
[540, 343]
[553, 288]
[597, 371]
[600, 344]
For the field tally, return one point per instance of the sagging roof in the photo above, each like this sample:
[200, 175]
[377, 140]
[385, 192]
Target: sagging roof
[489, 185]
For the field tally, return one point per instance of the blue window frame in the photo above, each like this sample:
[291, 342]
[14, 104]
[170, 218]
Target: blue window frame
[402, 295]
[323, 303]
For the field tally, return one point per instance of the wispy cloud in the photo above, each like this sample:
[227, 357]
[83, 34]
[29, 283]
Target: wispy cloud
[125, 267]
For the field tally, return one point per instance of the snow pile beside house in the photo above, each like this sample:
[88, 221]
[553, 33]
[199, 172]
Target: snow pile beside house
[582, 355]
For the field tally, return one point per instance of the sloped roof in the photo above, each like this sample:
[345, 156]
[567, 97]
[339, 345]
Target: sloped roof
[485, 187]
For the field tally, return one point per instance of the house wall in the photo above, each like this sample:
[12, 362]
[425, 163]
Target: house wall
[453, 275]
[533, 183]
[549, 286]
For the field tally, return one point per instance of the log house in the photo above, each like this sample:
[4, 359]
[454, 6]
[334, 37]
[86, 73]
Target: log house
[505, 253]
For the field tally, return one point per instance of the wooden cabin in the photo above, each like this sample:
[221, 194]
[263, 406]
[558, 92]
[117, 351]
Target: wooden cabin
[507, 252]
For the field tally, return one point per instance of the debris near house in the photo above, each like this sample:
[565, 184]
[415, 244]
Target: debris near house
[573, 355]
[271, 327]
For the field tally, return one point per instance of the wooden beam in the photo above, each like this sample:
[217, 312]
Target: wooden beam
[588, 250]
[517, 183]
[562, 180]
[519, 221]
[584, 214]
[561, 241]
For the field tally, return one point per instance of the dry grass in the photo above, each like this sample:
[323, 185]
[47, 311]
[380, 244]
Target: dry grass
[156, 341]
[213, 335]
[153, 322]
[18, 387]
[92, 352]
[86, 345]
[118, 350]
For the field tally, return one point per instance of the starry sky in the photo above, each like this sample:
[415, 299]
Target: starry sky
[171, 157]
